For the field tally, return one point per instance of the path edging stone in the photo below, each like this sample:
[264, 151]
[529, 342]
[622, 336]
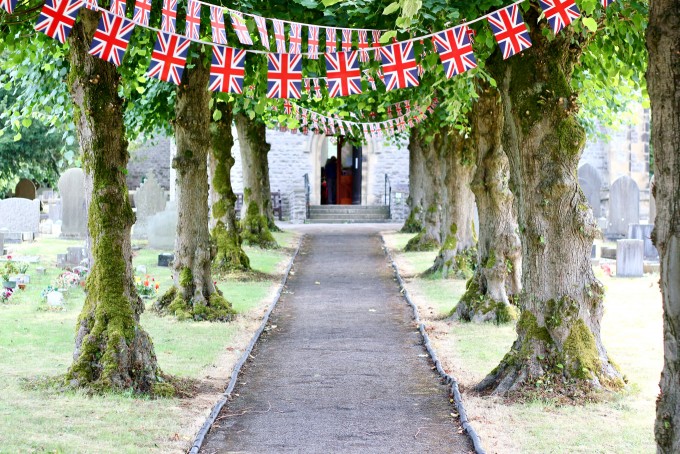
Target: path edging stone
[455, 392]
[200, 436]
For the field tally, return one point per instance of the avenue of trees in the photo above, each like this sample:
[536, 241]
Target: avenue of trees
[506, 137]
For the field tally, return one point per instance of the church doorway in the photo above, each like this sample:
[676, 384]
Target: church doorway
[341, 173]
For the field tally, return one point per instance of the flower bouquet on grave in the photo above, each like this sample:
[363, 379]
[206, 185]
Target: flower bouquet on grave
[147, 287]
[67, 279]
[5, 293]
[7, 271]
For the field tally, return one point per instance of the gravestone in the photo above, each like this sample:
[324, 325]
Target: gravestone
[149, 200]
[629, 262]
[18, 216]
[162, 228]
[55, 299]
[54, 208]
[25, 189]
[2, 243]
[644, 232]
[652, 202]
[591, 183]
[165, 259]
[75, 255]
[624, 206]
[73, 208]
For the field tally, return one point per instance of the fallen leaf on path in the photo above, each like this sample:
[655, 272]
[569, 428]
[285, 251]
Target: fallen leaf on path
[317, 283]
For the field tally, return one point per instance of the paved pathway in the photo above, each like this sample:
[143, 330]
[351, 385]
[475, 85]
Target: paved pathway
[343, 371]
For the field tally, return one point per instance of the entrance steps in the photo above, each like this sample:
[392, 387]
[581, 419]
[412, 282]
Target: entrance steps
[346, 214]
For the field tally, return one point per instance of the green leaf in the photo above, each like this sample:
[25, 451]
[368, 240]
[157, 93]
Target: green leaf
[387, 36]
[590, 23]
[217, 115]
[391, 8]
[17, 137]
[330, 2]
[26, 122]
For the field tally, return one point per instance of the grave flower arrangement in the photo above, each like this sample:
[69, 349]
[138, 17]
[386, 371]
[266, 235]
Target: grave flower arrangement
[8, 270]
[5, 293]
[147, 287]
[67, 279]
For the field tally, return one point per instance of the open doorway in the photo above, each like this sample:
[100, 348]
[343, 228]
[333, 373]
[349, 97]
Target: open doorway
[341, 174]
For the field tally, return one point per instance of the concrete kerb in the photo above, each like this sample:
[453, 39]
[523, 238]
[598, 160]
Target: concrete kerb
[200, 436]
[455, 392]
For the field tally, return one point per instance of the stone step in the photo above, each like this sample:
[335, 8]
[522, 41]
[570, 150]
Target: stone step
[348, 221]
[347, 209]
[350, 216]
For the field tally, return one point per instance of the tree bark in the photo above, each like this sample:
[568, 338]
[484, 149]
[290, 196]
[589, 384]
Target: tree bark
[194, 295]
[561, 300]
[258, 217]
[417, 186]
[230, 254]
[497, 275]
[112, 351]
[663, 82]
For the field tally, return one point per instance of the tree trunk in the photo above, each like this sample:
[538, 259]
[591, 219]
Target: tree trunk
[663, 81]
[258, 217]
[194, 295]
[558, 341]
[230, 254]
[112, 351]
[499, 250]
[416, 185]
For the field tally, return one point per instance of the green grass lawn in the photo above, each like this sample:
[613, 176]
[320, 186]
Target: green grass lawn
[35, 341]
[631, 332]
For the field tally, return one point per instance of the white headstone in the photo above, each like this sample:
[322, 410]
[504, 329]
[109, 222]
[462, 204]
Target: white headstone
[25, 189]
[149, 200]
[55, 299]
[162, 228]
[629, 261]
[20, 215]
[73, 206]
[644, 232]
[624, 206]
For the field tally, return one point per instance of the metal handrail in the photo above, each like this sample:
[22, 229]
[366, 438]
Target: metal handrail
[388, 196]
[308, 192]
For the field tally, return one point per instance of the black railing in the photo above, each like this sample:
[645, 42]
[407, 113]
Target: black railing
[308, 192]
[388, 196]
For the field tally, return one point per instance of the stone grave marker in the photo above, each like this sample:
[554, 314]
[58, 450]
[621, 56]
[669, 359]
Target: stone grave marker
[25, 189]
[165, 259]
[624, 206]
[2, 243]
[162, 228]
[591, 183]
[644, 232]
[19, 215]
[629, 262]
[73, 206]
[149, 200]
[55, 299]
[75, 255]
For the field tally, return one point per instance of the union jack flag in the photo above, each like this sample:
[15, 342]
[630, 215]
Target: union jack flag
[455, 50]
[313, 42]
[346, 39]
[287, 107]
[308, 84]
[118, 7]
[91, 5]
[240, 28]
[376, 44]
[363, 45]
[331, 45]
[560, 13]
[279, 36]
[389, 111]
[57, 18]
[169, 16]
[261, 23]
[142, 12]
[304, 117]
[398, 107]
[284, 75]
[407, 106]
[112, 37]
[342, 127]
[193, 22]
[606, 3]
[399, 66]
[8, 5]
[169, 57]
[315, 121]
[317, 88]
[343, 74]
[219, 34]
[227, 70]
[371, 81]
[510, 31]
[295, 38]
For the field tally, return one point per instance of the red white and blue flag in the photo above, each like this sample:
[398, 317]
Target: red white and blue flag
[295, 38]
[240, 27]
[399, 66]
[455, 50]
[376, 44]
[8, 5]
[313, 42]
[169, 16]
[287, 107]
[228, 70]
[559, 13]
[510, 30]
[193, 22]
[261, 23]
[169, 57]
[142, 12]
[284, 75]
[346, 39]
[606, 3]
[331, 45]
[91, 5]
[343, 74]
[118, 7]
[279, 36]
[363, 45]
[57, 18]
[112, 37]
[317, 87]
[219, 34]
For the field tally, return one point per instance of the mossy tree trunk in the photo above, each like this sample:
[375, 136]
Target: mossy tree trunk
[558, 333]
[257, 217]
[416, 185]
[230, 254]
[499, 251]
[112, 351]
[194, 295]
[663, 81]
